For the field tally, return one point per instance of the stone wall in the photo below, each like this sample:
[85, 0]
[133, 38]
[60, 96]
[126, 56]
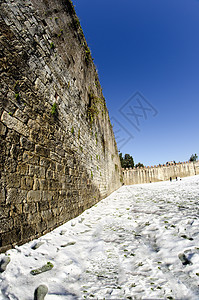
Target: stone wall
[58, 154]
[160, 173]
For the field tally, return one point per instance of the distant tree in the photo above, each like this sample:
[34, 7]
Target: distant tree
[194, 157]
[139, 165]
[126, 161]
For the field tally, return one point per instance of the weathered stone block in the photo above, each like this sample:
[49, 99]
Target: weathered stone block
[41, 226]
[23, 169]
[53, 165]
[4, 211]
[36, 185]
[43, 206]
[6, 224]
[49, 174]
[59, 168]
[55, 212]
[2, 195]
[15, 195]
[14, 124]
[48, 195]
[13, 137]
[53, 185]
[62, 194]
[66, 170]
[33, 218]
[54, 156]
[21, 116]
[44, 162]
[46, 215]
[30, 207]
[10, 165]
[55, 176]
[16, 209]
[43, 184]
[54, 204]
[26, 183]
[13, 180]
[60, 151]
[31, 170]
[37, 171]
[27, 144]
[34, 196]
[42, 151]
[52, 222]
[30, 158]
[11, 237]
[2, 129]
[29, 230]
[42, 172]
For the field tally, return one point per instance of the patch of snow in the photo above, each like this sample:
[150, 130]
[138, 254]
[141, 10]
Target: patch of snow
[140, 242]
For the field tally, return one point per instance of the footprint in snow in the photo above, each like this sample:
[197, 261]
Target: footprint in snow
[37, 245]
[42, 269]
[81, 220]
[40, 292]
[68, 244]
[62, 232]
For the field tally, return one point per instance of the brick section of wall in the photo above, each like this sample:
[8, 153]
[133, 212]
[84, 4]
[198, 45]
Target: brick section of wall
[58, 154]
[160, 173]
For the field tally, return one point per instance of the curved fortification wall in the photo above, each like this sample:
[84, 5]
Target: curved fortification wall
[58, 154]
[160, 173]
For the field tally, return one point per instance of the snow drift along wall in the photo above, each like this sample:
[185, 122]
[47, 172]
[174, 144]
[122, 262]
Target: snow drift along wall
[58, 155]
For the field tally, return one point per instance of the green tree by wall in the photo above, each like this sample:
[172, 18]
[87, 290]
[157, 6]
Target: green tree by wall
[126, 161]
[194, 157]
[139, 165]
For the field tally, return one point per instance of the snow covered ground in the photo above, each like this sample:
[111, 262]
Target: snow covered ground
[141, 242]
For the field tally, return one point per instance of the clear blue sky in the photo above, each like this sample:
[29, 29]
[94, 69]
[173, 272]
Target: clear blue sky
[150, 47]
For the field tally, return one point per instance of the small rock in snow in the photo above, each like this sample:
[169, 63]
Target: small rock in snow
[185, 261]
[3, 263]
